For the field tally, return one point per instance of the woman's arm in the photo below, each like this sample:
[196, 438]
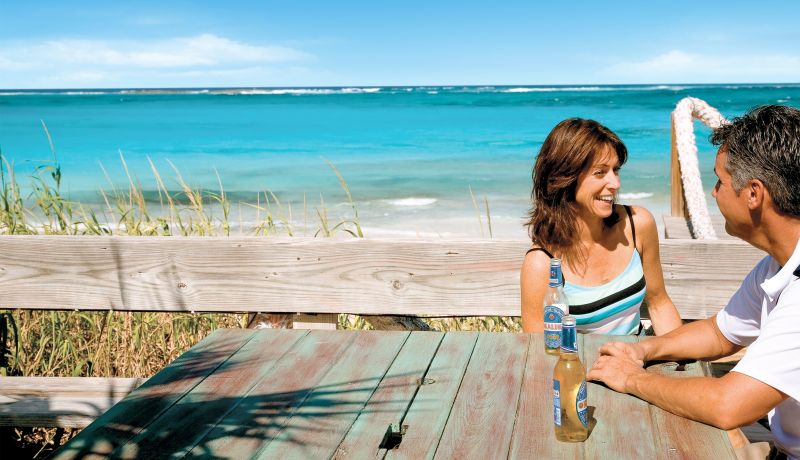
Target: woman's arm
[662, 311]
[533, 278]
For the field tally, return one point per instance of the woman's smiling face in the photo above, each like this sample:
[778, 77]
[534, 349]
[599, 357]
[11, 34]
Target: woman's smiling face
[598, 185]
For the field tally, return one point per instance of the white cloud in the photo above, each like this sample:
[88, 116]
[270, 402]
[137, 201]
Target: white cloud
[679, 66]
[73, 62]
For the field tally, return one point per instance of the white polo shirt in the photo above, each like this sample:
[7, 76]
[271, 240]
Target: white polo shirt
[764, 315]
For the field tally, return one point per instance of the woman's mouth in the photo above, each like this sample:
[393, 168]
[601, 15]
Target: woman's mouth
[606, 199]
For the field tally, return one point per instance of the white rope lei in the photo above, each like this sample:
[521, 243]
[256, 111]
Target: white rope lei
[682, 118]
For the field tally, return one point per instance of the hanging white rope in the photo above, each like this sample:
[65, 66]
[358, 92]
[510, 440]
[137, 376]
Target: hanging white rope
[685, 111]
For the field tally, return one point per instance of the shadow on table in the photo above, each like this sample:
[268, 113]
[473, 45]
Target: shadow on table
[161, 420]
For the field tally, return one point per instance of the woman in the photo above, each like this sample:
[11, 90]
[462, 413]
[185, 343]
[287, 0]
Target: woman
[609, 252]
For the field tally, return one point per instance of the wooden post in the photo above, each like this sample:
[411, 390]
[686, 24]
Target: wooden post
[677, 200]
[327, 321]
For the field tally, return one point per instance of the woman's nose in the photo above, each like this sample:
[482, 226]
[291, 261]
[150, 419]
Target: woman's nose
[613, 181]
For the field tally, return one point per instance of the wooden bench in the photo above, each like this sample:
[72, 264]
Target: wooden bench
[304, 275]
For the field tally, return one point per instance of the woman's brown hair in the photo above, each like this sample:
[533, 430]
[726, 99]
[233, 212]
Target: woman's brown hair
[570, 148]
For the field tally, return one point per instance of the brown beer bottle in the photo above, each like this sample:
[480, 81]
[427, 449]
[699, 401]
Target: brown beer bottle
[570, 408]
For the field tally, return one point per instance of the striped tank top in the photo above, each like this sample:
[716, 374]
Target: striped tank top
[613, 307]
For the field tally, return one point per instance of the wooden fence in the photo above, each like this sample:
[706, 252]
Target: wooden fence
[359, 276]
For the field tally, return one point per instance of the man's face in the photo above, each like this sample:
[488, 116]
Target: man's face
[732, 205]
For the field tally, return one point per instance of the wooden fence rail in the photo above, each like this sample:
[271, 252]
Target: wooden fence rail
[359, 276]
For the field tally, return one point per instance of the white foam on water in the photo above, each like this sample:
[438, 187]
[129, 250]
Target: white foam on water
[553, 89]
[545, 89]
[412, 201]
[360, 90]
[295, 92]
[635, 195]
[302, 91]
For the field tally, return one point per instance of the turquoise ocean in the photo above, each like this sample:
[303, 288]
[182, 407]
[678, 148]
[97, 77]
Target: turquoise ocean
[410, 155]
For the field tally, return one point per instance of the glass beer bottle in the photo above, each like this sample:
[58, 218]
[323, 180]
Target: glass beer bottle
[555, 307]
[570, 407]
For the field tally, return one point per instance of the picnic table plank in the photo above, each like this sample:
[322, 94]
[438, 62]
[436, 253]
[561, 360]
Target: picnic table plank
[198, 411]
[318, 426]
[392, 398]
[623, 426]
[125, 419]
[488, 396]
[427, 416]
[683, 438]
[534, 435]
[266, 408]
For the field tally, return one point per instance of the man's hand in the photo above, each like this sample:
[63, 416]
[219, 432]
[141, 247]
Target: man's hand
[632, 351]
[615, 371]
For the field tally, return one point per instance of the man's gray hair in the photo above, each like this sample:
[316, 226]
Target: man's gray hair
[764, 144]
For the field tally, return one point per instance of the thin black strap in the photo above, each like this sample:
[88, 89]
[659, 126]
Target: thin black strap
[539, 249]
[633, 228]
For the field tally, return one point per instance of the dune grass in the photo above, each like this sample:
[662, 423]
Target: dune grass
[83, 343]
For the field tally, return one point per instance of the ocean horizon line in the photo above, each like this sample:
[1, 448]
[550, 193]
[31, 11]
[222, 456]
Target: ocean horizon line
[378, 87]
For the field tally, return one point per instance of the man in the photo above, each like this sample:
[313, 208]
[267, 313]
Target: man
[758, 193]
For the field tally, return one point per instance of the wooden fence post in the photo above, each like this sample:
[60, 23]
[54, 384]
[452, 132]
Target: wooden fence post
[677, 200]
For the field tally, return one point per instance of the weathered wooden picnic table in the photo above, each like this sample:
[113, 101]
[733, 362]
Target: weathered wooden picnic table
[334, 394]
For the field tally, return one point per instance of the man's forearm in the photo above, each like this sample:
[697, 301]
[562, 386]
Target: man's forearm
[697, 340]
[728, 402]
[692, 398]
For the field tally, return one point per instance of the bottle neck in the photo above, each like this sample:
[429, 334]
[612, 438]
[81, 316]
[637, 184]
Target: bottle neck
[569, 339]
[556, 277]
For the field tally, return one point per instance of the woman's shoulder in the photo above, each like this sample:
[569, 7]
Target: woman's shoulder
[536, 261]
[645, 227]
[642, 218]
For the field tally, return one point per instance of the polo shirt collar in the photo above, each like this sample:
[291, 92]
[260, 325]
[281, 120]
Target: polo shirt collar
[778, 282]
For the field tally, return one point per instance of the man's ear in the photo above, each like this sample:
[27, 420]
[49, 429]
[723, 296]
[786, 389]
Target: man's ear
[756, 194]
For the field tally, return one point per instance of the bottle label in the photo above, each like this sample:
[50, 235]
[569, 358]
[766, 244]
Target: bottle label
[582, 405]
[552, 325]
[569, 339]
[557, 402]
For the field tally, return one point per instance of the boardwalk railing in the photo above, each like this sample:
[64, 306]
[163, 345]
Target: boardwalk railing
[359, 276]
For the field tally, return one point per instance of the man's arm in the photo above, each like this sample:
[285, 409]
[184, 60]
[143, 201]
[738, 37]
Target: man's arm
[728, 402]
[698, 340]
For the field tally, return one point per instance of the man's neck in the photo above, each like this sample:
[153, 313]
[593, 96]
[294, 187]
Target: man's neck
[778, 238]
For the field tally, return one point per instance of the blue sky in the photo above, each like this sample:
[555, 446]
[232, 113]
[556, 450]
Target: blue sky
[92, 44]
